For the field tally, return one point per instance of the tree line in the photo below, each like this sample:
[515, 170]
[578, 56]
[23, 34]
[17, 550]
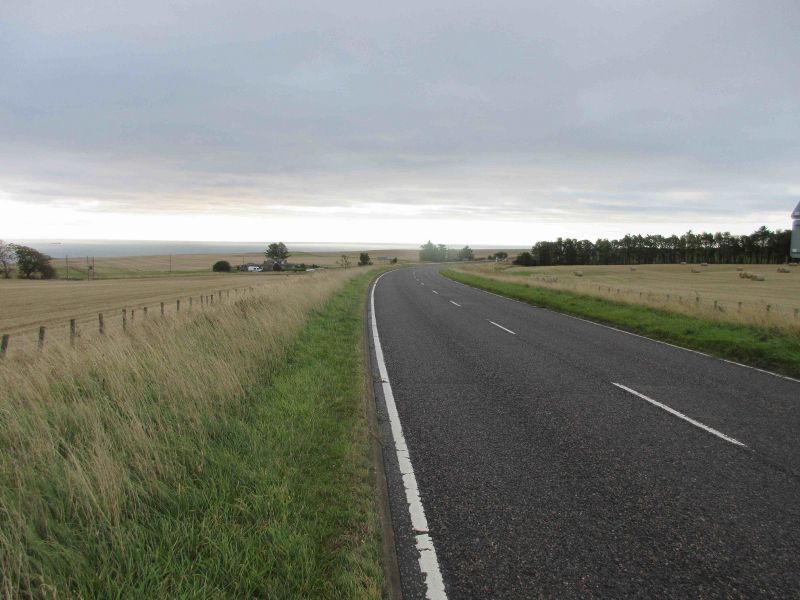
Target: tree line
[761, 247]
[431, 252]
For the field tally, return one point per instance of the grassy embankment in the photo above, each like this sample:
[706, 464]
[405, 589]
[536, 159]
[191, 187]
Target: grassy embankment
[759, 346]
[218, 454]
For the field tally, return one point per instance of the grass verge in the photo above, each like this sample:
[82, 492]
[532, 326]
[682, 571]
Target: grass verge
[757, 346]
[234, 464]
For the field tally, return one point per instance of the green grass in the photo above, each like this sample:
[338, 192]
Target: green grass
[280, 505]
[760, 347]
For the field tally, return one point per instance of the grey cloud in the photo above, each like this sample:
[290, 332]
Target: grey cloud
[184, 106]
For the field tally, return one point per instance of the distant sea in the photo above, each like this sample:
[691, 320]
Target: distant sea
[111, 248]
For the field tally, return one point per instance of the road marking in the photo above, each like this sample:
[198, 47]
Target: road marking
[644, 337]
[421, 283]
[435, 292]
[501, 327]
[456, 303]
[680, 415]
[428, 562]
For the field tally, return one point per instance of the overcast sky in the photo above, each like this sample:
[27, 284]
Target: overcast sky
[485, 123]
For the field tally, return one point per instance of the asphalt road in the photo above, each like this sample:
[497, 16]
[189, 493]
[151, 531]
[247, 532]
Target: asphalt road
[559, 458]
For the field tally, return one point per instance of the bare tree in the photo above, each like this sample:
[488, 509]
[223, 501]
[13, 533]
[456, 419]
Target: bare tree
[6, 258]
[345, 261]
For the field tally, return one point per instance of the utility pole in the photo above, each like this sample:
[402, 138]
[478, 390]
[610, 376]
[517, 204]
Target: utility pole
[170, 264]
[66, 275]
[794, 247]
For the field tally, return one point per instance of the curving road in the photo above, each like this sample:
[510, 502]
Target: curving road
[553, 457]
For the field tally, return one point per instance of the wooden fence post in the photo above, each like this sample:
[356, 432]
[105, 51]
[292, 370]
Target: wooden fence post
[145, 312]
[133, 310]
[4, 345]
[162, 309]
[102, 323]
[178, 305]
[40, 343]
[73, 331]
[190, 303]
[124, 319]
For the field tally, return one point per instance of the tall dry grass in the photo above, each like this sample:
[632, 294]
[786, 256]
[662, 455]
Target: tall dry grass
[100, 434]
[669, 288]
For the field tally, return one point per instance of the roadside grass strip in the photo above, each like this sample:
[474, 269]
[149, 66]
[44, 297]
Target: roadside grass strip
[270, 494]
[754, 346]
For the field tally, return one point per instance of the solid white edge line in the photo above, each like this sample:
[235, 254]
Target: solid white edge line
[501, 327]
[644, 337]
[428, 562]
[435, 292]
[456, 303]
[680, 415]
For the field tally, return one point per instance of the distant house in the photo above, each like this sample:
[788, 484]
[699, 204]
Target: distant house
[270, 263]
[250, 268]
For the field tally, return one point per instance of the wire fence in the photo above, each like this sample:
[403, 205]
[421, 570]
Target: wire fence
[111, 322]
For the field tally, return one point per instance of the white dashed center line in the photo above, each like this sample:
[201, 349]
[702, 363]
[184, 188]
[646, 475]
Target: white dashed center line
[456, 303]
[501, 327]
[435, 292]
[680, 415]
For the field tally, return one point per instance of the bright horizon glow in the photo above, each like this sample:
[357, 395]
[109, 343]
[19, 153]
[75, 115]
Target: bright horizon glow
[402, 231]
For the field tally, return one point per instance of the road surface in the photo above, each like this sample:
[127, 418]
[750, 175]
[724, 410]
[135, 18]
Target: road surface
[545, 456]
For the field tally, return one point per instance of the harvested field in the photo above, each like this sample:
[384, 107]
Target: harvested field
[714, 291]
[27, 304]
[192, 264]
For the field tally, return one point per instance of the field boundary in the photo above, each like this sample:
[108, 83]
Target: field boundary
[773, 352]
[101, 324]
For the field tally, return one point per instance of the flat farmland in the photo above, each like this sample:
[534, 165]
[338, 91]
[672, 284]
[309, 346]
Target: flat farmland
[194, 264]
[30, 303]
[715, 291]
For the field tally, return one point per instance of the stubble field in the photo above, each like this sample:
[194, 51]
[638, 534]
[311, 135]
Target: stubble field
[194, 264]
[714, 291]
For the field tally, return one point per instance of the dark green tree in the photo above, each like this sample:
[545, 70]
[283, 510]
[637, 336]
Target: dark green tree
[30, 262]
[466, 253]
[363, 259]
[221, 266]
[277, 251]
[525, 259]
